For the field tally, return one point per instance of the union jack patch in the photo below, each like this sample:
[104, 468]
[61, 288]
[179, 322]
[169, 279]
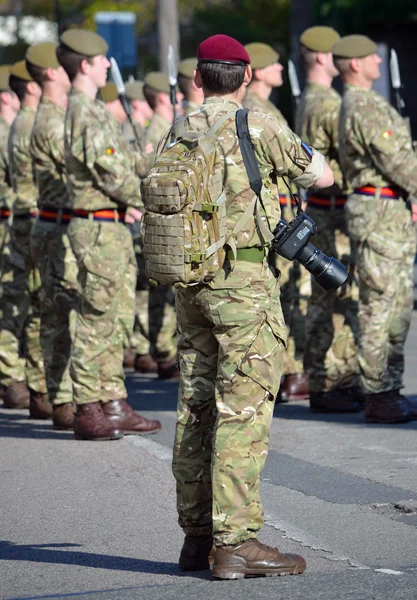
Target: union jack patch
[308, 151]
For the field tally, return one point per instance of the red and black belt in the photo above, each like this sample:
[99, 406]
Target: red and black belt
[283, 200]
[327, 202]
[107, 215]
[386, 192]
[51, 215]
[23, 216]
[4, 213]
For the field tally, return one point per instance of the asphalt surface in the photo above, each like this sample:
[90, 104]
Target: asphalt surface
[97, 521]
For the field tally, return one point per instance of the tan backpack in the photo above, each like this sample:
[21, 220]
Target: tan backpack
[184, 225]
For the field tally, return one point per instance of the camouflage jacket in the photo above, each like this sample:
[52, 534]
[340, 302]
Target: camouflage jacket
[374, 142]
[47, 151]
[7, 195]
[190, 107]
[279, 152]
[317, 123]
[255, 102]
[21, 163]
[157, 129]
[99, 166]
[136, 137]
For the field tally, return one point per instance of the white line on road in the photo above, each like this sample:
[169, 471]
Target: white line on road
[154, 448]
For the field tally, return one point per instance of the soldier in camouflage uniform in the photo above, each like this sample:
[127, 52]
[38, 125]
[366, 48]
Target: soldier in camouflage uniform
[101, 185]
[231, 341]
[51, 250]
[377, 158]
[330, 357]
[162, 316]
[20, 319]
[193, 96]
[295, 280]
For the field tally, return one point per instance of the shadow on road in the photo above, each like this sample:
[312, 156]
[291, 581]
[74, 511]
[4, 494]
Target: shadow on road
[17, 425]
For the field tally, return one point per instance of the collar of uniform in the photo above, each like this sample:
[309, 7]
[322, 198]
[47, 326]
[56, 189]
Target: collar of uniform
[350, 87]
[46, 102]
[223, 101]
[79, 93]
[157, 117]
[312, 85]
[28, 109]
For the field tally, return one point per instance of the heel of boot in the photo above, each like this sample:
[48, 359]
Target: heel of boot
[220, 574]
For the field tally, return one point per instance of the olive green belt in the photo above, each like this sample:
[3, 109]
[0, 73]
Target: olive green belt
[253, 255]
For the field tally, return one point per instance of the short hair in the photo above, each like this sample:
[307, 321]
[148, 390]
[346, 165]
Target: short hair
[37, 73]
[342, 64]
[19, 86]
[70, 60]
[309, 56]
[220, 79]
[151, 96]
[184, 83]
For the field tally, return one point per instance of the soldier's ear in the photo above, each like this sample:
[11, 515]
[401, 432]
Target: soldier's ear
[355, 65]
[248, 75]
[197, 79]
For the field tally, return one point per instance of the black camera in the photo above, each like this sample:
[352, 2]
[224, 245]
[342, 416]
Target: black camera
[292, 242]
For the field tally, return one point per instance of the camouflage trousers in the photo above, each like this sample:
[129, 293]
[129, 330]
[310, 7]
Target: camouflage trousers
[104, 315]
[385, 246]
[330, 356]
[51, 252]
[295, 284]
[231, 354]
[20, 350]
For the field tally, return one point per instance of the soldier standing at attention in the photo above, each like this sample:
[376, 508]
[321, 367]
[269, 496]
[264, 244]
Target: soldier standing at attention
[101, 185]
[193, 96]
[295, 281]
[231, 334]
[20, 319]
[377, 159]
[51, 249]
[330, 356]
[141, 114]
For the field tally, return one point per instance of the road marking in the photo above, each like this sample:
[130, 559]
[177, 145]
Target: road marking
[389, 572]
[154, 448]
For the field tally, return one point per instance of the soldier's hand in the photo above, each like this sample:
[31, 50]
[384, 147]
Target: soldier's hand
[414, 211]
[149, 148]
[132, 215]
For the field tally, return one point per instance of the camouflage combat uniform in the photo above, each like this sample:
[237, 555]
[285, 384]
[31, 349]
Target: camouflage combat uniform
[20, 322]
[162, 315]
[7, 195]
[190, 107]
[295, 281]
[375, 150]
[52, 252]
[101, 176]
[330, 357]
[231, 346]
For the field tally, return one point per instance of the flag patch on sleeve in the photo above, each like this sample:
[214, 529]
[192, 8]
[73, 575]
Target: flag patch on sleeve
[110, 150]
[307, 150]
[387, 134]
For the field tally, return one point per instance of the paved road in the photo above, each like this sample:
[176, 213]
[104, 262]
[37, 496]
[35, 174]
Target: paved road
[98, 521]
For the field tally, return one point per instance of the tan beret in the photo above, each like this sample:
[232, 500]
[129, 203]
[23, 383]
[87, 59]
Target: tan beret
[19, 70]
[261, 55]
[354, 46]
[187, 67]
[4, 78]
[43, 55]
[158, 81]
[319, 39]
[109, 92]
[134, 90]
[84, 42]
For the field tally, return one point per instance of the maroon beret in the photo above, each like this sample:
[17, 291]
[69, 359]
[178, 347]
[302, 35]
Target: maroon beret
[222, 49]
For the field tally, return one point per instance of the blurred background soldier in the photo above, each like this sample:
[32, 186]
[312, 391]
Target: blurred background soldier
[330, 357]
[102, 184]
[141, 113]
[377, 158]
[20, 319]
[193, 96]
[294, 282]
[51, 249]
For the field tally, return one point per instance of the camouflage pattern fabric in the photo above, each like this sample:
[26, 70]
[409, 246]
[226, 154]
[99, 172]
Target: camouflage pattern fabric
[231, 344]
[294, 280]
[20, 350]
[375, 149]
[51, 252]
[101, 175]
[7, 195]
[190, 107]
[330, 356]
[156, 129]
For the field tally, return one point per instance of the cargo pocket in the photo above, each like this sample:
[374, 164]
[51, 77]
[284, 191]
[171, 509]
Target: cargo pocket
[102, 281]
[263, 361]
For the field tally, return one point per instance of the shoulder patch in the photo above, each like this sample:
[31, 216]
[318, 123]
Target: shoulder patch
[387, 134]
[110, 150]
[307, 150]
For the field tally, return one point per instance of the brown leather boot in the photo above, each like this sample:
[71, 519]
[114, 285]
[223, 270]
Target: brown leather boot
[90, 423]
[40, 406]
[295, 387]
[197, 553]
[63, 415]
[16, 396]
[336, 401]
[168, 370]
[254, 558]
[387, 408]
[128, 358]
[144, 363]
[122, 415]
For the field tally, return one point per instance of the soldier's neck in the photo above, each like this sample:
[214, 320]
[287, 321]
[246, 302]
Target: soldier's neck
[165, 111]
[320, 78]
[7, 114]
[260, 89]
[82, 83]
[358, 80]
[30, 101]
[137, 117]
[55, 94]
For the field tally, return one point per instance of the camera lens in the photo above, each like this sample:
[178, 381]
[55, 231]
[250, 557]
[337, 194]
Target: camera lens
[329, 273]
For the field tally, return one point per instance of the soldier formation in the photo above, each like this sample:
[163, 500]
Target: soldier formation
[76, 304]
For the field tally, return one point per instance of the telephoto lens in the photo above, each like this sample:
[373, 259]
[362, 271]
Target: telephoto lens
[292, 242]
